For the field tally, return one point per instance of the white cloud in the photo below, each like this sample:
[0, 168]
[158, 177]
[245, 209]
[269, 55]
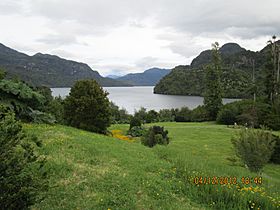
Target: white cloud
[131, 35]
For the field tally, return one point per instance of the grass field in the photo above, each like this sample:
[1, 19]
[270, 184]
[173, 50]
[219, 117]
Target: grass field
[91, 171]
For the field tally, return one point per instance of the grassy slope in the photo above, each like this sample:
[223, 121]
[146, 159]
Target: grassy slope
[90, 171]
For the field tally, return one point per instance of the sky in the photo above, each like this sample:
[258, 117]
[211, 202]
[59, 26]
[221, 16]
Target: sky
[127, 36]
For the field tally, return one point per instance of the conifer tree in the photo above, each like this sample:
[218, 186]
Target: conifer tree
[213, 91]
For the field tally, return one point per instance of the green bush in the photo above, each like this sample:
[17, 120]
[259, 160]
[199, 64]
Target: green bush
[141, 114]
[183, 115]
[199, 114]
[152, 116]
[155, 135]
[56, 108]
[119, 115]
[273, 118]
[227, 115]
[22, 175]
[275, 158]
[134, 122]
[254, 148]
[244, 112]
[87, 107]
[41, 117]
[166, 115]
[136, 131]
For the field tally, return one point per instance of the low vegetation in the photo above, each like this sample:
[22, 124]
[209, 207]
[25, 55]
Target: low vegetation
[254, 147]
[91, 171]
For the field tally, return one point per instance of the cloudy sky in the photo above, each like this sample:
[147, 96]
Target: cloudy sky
[121, 36]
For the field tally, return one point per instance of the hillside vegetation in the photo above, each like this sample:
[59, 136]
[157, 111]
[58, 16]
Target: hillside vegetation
[49, 70]
[236, 78]
[92, 171]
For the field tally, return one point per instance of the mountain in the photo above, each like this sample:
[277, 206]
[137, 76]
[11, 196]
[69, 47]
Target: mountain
[226, 50]
[236, 77]
[148, 78]
[112, 76]
[48, 70]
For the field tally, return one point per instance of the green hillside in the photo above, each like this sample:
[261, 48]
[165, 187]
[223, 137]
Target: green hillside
[91, 171]
[49, 70]
[236, 78]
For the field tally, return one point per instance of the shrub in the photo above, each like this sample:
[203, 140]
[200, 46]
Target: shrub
[22, 176]
[41, 117]
[275, 158]
[118, 115]
[20, 97]
[56, 108]
[155, 135]
[273, 118]
[199, 114]
[134, 121]
[166, 115]
[254, 148]
[227, 115]
[152, 116]
[245, 112]
[87, 107]
[183, 115]
[136, 131]
[141, 114]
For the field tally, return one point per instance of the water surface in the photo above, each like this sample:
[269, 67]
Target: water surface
[133, 98]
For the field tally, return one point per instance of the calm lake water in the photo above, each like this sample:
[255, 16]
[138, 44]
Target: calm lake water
[133, 98]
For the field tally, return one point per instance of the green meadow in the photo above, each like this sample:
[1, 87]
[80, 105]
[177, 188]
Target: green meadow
[92, 171]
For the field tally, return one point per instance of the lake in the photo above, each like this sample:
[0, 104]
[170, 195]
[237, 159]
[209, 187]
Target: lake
[133, 98]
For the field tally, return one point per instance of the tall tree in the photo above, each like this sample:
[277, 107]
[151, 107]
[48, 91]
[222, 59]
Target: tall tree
[272, 70]
[213, 91]
[87, 107]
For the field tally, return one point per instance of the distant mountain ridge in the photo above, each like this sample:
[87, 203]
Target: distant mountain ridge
[226, 50]
[49, 70]
[149, 77]
[236, 75]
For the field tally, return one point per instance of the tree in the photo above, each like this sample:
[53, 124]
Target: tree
[87, 107]
[2, 74]
[272, 70]
[22, 175]
[141, 114]
[213, 92]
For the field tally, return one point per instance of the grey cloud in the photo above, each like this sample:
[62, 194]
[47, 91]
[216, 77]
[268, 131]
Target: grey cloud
[194, 17]
[146, 62]
[58, 40]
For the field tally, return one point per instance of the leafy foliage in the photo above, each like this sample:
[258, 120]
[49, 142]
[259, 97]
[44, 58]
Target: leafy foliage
[22, 175]
[136, 131]
[254, 147]
[56, 108]
[87, 107]
[155, 135]
[134, 122]
[119, 115]
[166, 115]
[275, 157]
[21, 98]
[213, 93]
[152, 116]
[250, 113]
[183, 115]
